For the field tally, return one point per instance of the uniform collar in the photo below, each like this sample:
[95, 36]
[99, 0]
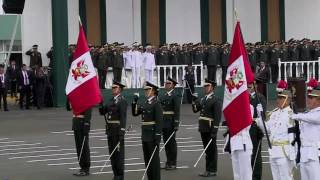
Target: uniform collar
[170, 92]
[116, 97]
[315, 109]
[209, 95]
[150, 99]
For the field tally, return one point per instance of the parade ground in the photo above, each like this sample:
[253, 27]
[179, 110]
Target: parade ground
[40, 145]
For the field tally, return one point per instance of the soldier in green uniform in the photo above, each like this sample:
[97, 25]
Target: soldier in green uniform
[209, 120]
[170, 102]
[152, 115]
[118, 63]
[256, 133]
[116, 110]
[35, 57]
[81, 128]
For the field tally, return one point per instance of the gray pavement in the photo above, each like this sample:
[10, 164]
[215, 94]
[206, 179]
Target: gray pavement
[39, 144]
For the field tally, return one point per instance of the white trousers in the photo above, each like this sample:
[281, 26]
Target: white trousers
[310, 170]
[241, 164]
[136, 77]
[148, 75]
[128, 78]
[281, 168]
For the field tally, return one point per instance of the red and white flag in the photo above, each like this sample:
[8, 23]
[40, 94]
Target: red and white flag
[82, 87]
[236, 104]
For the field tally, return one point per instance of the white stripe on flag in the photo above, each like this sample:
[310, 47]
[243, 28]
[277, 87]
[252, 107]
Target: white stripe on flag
[237, 78]
[83, 68]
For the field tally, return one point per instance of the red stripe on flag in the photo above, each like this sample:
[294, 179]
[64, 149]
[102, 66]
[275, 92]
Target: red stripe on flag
[238, 114]
[82, 45]
[82, 97]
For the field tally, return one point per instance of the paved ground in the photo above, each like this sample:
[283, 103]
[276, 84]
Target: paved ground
[39, 144]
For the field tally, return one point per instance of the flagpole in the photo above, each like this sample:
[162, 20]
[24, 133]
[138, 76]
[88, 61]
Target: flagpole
[263, 118]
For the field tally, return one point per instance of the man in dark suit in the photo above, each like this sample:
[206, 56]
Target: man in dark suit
[4, 84]
[12, 72]
[263, 72]
[25, 80]
[35, 57]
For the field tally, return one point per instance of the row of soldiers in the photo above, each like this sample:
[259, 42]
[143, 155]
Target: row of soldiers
[294, 137]
[212, 55]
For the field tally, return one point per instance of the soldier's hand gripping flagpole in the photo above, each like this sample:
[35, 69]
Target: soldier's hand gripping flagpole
[105, 164]
[145, 171]
[195, 165]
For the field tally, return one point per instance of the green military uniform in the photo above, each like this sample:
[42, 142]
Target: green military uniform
[102, 68]
[209, 120]
[117, 66]
[212, 61]
[170, 102]
[116, 110]
[35, 57]
[152, 115]
[256, 135]
[81, 128]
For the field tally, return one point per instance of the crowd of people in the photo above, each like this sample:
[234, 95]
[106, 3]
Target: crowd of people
[213, 56]
[31, 83]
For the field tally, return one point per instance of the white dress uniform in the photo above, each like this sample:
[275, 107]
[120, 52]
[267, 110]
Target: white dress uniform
[309, 135]
[149, 65]
[128, 66]
[282, 154]
[241, 151]
[137, 63]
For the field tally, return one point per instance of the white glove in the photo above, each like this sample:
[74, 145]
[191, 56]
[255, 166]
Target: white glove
[259, 110]
[295, 116]
[136, 94]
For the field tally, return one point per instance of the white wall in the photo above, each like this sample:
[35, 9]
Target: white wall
[123, 21]
[36, 28]
[249, 15]
[183, 22]
[302, 19]
[1, 10]
[73, 21]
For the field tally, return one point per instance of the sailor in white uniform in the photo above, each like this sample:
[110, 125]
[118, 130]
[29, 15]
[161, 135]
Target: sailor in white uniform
[279, 126]
[310, 136]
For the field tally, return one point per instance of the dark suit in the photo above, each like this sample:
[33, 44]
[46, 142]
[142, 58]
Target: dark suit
[263, 74]
[209, 120]
[13, 75]
[25, 85]
[116, 111]
[4, 84]
[152, 115]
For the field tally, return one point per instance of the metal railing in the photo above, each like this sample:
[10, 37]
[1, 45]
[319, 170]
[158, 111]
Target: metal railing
[306, 69]
[178, 72]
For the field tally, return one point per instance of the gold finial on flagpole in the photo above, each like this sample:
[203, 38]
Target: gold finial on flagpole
[236, 15]
[80, 20]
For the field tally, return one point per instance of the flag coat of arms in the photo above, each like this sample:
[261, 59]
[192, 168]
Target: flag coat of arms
[82, 87]
[236, 103]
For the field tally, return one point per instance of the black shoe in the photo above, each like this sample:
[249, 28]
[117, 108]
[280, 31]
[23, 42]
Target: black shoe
[6, 109]
[82, 173]
[171, 167]
[208, 174]
[165, 167]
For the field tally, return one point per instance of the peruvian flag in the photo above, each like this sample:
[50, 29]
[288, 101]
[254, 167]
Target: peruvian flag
[82, 87]
[236, 104]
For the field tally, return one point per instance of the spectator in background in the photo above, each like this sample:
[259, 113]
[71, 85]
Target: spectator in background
[4, 84]
[35, 57]
[25, 81]
[12, 72]
[149, 64]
